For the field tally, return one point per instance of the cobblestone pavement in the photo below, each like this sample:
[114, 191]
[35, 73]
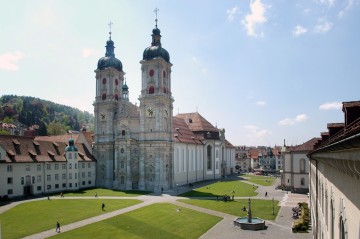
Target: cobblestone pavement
[280, 228]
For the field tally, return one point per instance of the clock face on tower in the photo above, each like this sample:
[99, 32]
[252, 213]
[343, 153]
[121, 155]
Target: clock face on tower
[103, 116]
[150, 112]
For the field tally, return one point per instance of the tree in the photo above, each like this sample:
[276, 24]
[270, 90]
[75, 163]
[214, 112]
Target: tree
[55, 129]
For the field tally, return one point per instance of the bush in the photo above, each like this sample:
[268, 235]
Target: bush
[302, 223]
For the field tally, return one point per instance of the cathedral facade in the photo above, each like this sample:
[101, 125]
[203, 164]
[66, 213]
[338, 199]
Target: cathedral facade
[145, 147]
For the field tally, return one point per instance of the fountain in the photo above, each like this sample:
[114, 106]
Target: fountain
[250, 223]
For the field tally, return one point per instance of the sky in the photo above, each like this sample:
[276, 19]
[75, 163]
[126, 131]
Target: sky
[265, 70]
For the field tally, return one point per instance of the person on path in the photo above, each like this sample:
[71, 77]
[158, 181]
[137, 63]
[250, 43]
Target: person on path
[103, 207]
[57, 227]
[96, 195]
[265, 194]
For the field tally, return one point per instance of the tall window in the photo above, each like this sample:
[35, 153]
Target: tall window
[209, 164]
[9, 168]
[302, 181]
[151, 90]
[302, 165]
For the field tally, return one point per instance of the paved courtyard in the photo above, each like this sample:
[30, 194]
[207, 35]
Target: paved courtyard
[280, 228]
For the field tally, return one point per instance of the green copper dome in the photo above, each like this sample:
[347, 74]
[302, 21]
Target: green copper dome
[109, 60]
[125, 87]
[155, 50]
[71, 147]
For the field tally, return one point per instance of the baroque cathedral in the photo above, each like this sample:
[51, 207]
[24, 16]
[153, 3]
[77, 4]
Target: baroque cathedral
[145, 147]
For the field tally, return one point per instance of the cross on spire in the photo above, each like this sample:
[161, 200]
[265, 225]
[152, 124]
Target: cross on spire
[156, 12]
[110, 23]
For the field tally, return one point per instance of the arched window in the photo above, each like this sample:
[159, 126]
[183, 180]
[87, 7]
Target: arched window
[122, 180]
[209, 164]
[123, 132]
[103, 96]
[116, 97]
[151, 90]
[122, 164]
[104, 81]
[164, 90]
[116, 82]
[302, 165]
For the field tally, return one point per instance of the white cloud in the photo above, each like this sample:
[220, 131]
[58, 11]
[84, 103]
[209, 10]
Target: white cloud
[329, 3]
[255, 18]
[260, 103]
[255, 134]
[331, 106]
[323, 26]
[231, 13]
[299, 30]
[8, 61]
[298, 119]
[349, 5]
[87, 52]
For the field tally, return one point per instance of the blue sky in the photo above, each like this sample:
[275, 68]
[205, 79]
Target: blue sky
[265, 70]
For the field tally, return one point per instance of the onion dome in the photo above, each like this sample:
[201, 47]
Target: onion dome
[125, 88]
[155, 50]
[109, 60]
[71, 146]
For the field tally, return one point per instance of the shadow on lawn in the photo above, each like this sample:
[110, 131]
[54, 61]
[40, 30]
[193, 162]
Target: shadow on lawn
[93, 191]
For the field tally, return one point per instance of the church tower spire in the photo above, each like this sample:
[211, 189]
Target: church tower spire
[109, 82]
[156, 107]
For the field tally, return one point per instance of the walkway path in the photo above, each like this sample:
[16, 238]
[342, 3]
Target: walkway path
[280, 228]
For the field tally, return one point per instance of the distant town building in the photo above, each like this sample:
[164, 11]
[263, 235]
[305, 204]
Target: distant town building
[295, 174]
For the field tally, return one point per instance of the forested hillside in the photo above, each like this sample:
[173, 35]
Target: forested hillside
[52, 118]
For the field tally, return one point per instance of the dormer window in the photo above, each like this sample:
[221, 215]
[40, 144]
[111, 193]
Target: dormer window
[190, 120]
[17, 146]
[37, 147]
[208, 134]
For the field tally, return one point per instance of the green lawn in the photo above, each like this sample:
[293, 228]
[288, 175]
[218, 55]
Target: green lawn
[159, 221]
[37, 216]
[258, 179]
[221, 188]
[105, 192]
[259, 208]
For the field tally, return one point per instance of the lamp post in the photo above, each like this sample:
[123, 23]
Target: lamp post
[273, 206]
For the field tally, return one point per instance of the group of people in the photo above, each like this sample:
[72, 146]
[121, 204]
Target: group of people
[225, 198]
[295, 211]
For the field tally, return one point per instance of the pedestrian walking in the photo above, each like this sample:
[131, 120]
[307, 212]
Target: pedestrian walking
[103, 206]
[96, 195]
[57, 227]
[265, 194]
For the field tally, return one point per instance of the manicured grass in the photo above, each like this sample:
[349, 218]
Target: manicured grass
[258, 179]
[159, 221]
[221, 188]
[37, 216]
[260, 208]
[105, 192]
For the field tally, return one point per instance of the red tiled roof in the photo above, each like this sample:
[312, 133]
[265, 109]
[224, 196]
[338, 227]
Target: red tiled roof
[307, 146]
[196, 122]
[58, 138]
[182, 133]
[254, 153]
[45, 149]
